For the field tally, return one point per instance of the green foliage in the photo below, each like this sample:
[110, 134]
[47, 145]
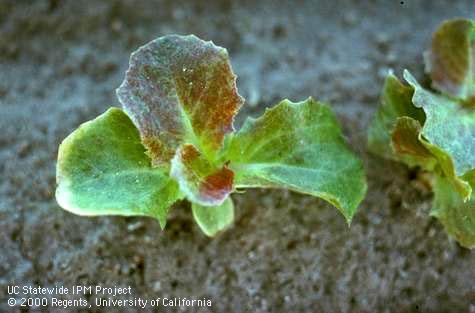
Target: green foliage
[298, 146]
[180, 94]
[435, 130]
[212, 219]
[457, 216]
[102, 169]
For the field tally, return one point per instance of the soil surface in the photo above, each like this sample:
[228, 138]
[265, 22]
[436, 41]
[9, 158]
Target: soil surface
[60, 62]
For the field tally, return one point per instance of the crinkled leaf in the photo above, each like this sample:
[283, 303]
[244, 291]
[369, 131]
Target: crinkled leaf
[103, 170]
[448, 125]
[413, 149]
[396, 101]
[451, 59]
[180, 89]
[298, 146]
[201, 181]
[213, 219]
[443, 141]
[457, 216]
[397, 124]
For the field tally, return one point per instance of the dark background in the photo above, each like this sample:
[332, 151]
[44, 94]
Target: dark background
[60, 62]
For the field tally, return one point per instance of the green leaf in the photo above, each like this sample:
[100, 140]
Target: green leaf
[180, 89]
[200, 180]
[213, 219]
[449, 126]
[457, 216]
[103, 170]
[298, 146]
[446, 168]
[451, 59]
[396, 101]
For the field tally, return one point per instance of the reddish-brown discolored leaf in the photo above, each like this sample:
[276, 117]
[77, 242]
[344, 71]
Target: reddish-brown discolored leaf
[180, 89]
[450, 61]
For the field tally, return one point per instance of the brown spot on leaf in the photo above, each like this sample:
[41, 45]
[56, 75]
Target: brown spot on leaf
[405, 138]
[218, 185]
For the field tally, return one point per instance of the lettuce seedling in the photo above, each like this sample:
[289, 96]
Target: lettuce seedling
[435, 129]
[174, 139]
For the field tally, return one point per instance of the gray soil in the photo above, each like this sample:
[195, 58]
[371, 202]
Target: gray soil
[60, 62]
